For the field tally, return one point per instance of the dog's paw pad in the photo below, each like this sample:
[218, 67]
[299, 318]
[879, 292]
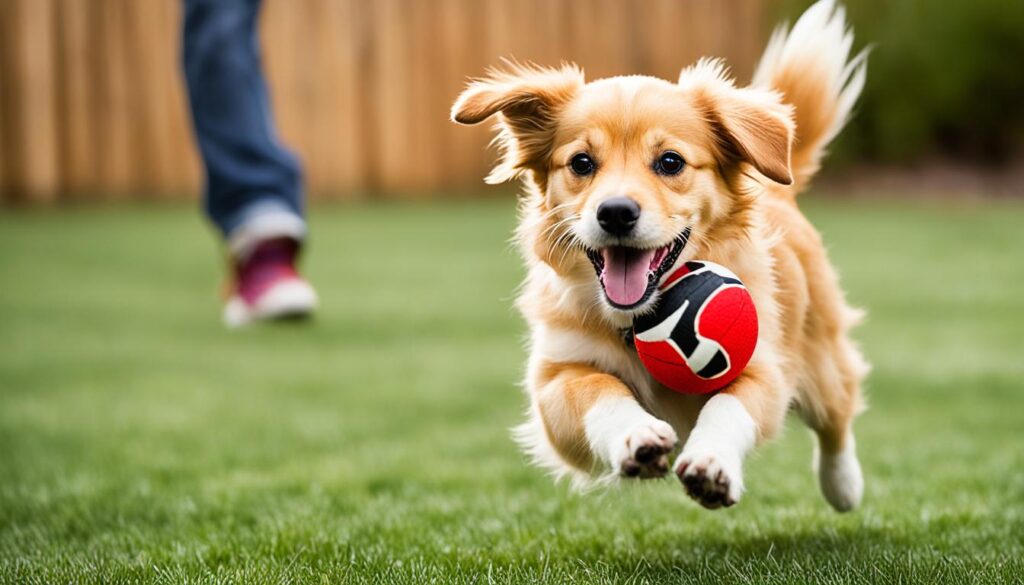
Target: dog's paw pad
[643, 451]
[712, 480]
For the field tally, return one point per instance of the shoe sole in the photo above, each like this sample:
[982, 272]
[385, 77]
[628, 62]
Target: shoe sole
[288, 301]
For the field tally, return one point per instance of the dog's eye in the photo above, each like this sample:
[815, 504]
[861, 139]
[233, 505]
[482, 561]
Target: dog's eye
[669, 163]
[582, 164]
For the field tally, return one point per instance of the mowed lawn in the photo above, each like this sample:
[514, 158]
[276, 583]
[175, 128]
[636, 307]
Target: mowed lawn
[140, 441]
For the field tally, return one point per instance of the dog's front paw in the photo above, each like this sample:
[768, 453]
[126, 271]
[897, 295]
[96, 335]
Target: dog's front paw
[712, 479]
[643, 451]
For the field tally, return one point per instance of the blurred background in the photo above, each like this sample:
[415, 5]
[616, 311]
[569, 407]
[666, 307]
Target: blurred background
[92, 104]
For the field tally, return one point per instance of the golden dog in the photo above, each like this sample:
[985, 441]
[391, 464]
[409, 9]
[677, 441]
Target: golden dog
[618, 172]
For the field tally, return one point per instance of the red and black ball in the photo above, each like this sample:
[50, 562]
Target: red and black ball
[702, 332]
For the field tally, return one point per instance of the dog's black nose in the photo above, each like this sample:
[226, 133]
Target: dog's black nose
[618, 215]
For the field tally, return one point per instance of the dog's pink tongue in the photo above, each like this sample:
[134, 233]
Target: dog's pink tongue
[625, 274]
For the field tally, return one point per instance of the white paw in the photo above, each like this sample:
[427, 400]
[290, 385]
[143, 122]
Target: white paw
[840, 478]
[643, 450]
[712, 479]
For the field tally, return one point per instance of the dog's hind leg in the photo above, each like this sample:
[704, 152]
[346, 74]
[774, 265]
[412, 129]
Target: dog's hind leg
[839, 474]
[830, 411]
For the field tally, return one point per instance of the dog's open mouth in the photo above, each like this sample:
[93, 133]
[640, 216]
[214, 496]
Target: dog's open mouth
[630, 275]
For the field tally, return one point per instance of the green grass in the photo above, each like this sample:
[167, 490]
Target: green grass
[142, 442]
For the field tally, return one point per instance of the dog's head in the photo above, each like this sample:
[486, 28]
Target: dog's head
[628, 170]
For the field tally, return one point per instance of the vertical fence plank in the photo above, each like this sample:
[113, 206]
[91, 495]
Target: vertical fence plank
[148, 45]
[142, 83]
[28, 61]
[4, 83]
[318, 122]
[114, 126]
[425, 138]
[76, 46]
[391, 93]
[285, 70]
[346, 125]
[460, 39]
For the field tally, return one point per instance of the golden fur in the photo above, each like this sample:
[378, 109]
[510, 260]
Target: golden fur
[748, 151]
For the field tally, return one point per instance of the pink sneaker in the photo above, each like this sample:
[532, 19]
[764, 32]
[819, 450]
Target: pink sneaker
[267, 286]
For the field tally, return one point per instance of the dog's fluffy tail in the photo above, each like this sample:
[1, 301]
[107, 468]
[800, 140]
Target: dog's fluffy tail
[810, 66]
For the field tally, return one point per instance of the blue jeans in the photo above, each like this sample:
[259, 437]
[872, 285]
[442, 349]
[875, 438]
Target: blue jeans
[253, 184]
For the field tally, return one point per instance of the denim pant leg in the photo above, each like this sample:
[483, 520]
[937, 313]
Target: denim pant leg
[253, 184]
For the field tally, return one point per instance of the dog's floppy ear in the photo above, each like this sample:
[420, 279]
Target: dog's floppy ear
[752, 125]
[760, 132]
[526, 99]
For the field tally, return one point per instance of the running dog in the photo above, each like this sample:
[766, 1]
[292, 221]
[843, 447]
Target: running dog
[629, 177]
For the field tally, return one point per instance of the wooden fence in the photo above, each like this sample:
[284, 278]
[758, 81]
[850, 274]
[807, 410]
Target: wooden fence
[92, 104]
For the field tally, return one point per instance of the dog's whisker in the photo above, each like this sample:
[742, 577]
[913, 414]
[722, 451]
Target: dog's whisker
[557, 225]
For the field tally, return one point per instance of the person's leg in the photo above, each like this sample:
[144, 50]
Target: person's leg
[253, 184]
